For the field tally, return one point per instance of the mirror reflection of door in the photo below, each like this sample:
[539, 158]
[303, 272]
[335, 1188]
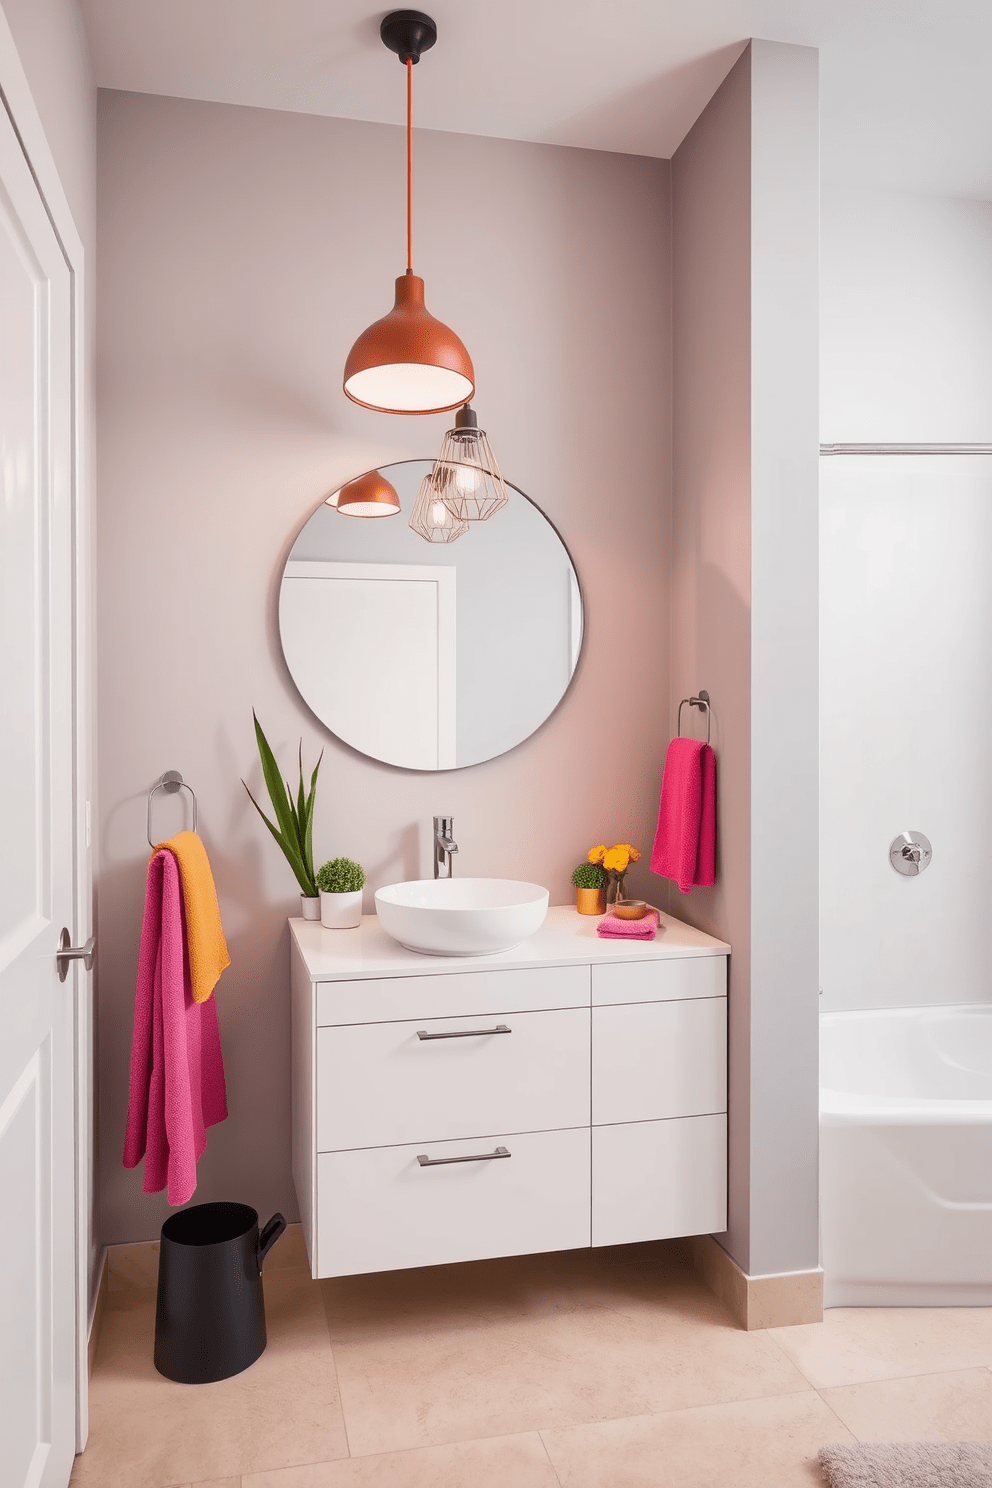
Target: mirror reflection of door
[376, 643]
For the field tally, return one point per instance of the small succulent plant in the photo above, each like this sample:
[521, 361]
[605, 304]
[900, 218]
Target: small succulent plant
[589, 876]
[340, 876]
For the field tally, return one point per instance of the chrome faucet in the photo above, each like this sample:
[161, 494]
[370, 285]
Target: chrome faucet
[444, 846]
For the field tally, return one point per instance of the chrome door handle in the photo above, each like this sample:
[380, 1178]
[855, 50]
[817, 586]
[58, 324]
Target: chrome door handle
[464, 1033]
[437, 1162]
[68, 952]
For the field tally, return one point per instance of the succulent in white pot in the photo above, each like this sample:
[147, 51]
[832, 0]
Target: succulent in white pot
[340, 882]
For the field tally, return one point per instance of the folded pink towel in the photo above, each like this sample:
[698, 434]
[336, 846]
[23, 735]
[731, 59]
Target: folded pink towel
[610, 928]
[177, 1084]
[685, 841]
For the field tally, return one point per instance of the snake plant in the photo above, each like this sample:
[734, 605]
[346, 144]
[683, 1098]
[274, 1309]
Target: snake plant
[293, 826]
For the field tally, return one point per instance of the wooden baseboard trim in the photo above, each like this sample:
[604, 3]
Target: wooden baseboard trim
[96, 1315]
[781, 1300]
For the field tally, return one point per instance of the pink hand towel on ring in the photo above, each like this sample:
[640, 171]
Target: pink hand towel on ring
[685, 841]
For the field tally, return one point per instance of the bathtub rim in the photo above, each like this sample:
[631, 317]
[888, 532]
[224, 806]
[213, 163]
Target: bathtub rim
[847, 1107]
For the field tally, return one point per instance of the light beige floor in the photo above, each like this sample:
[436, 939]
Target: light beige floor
[591, 1369]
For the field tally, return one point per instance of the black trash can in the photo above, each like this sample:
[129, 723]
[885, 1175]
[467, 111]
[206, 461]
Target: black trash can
[210, 1317]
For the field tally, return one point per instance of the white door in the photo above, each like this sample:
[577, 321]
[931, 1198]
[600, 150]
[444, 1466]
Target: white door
[37, 1199]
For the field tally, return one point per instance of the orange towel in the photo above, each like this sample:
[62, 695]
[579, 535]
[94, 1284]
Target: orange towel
[208, 953]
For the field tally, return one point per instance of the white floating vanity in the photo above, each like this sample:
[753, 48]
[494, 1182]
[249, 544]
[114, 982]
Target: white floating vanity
[567, 1093]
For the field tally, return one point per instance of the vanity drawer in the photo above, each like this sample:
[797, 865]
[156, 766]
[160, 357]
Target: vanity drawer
[658, 1059]
[450, 994]
[379, 1084]
[659, 981]
[655, 1179]
[380, 1210]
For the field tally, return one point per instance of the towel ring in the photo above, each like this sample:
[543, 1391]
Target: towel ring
[701, 700]
[171, 782]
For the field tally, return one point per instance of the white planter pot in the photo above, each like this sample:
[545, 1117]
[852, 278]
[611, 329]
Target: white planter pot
[309, 908]
[341, 911]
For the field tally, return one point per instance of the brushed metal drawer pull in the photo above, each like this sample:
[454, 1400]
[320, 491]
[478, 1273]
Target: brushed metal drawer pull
[437, 1162]
[467, 1033]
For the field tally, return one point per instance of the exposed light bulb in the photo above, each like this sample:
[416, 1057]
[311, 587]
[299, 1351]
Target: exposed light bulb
[432, 517]
[467, 479]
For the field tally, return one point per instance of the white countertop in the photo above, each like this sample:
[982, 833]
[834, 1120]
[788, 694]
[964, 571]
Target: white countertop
[566, 937]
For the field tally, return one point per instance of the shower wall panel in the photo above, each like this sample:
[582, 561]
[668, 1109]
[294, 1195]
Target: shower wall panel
[906, 728]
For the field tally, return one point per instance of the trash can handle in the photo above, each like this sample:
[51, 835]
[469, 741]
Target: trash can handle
[268, 1237]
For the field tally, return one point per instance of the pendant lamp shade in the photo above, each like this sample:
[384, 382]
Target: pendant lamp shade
[408, 362]
[371, 495]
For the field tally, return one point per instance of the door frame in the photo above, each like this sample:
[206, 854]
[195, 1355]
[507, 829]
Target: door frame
[16, 99]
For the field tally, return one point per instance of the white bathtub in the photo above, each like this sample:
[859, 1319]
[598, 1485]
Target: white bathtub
[906, 1157]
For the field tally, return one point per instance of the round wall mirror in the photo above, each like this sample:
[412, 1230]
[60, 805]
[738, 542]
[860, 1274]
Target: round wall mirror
[430, 655]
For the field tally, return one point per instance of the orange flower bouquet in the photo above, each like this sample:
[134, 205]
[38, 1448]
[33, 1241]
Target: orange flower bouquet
[616, 860]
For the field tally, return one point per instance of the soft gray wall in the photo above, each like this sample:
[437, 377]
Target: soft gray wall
[711, 538]
[785, 249]
[241, 253]
[745, 275]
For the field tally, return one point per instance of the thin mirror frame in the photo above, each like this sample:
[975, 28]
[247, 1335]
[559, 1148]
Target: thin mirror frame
[404, 515]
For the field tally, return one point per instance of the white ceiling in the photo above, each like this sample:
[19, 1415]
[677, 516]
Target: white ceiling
[906, 97]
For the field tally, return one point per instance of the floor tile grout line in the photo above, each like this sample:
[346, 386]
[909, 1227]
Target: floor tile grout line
[838, 1418]
[667, 1410]
[434, 1445]
[769, 1333]
[877, 1380]
[549, 1457]
[642, 1415]
[337, 1377]
[344, 1418]
[578, 1425]
[885, 1379]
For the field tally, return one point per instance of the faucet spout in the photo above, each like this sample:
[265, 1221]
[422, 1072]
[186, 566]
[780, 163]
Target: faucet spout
[444, 846]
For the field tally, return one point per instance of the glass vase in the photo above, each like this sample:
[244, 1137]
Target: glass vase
[617, 888]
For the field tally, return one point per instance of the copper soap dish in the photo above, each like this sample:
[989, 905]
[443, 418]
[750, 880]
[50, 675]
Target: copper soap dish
[630, 909]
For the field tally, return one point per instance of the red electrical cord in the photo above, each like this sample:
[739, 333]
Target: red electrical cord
[409, 165]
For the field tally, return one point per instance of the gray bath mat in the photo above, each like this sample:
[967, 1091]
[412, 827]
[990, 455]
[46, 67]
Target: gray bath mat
[909, 1465]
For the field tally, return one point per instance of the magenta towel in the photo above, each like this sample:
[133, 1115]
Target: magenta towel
[177, 1074]
[610, 928]
[685, 841]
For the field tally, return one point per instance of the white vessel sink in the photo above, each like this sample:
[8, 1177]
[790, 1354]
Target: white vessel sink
[461, 916]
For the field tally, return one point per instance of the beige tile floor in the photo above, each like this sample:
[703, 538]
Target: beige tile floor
[591, 1369]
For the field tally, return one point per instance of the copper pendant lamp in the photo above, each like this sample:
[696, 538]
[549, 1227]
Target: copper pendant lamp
[371, 495]
[408, 362]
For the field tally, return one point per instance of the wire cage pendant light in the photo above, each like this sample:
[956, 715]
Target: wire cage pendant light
[432, 519]
[409, 362]
[466, 476]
